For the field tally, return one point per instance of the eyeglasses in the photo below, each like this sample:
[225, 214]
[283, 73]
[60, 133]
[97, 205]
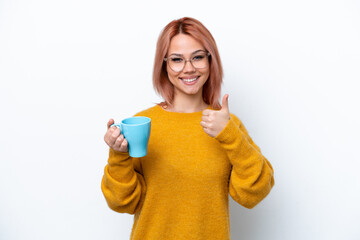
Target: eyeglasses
[198, 60]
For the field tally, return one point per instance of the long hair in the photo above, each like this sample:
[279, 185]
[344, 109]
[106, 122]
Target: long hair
[194, 28]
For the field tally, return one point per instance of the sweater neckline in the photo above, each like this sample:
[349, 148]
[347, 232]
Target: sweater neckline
[180, 113]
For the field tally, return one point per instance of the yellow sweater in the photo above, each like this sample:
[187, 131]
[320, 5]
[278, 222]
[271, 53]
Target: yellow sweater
[179, 191]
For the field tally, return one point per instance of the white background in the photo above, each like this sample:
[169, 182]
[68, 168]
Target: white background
[292, 70]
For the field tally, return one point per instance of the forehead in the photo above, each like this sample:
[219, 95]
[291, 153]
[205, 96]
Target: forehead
[184, 44]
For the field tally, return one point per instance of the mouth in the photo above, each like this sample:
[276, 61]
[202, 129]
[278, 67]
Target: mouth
[190, 81]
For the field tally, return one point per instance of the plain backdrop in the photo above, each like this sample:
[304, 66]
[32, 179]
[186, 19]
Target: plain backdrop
[292, 70]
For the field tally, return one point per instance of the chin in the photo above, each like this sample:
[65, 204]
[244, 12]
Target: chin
[191, 92]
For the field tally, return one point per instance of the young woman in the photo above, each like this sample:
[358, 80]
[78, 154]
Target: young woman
[198, 151]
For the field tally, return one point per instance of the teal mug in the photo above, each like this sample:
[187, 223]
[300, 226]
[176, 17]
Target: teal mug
[136, 131]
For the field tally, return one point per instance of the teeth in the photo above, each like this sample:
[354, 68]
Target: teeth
[189, 80]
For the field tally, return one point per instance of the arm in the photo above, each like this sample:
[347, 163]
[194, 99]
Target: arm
[123, 183]
[251, 176]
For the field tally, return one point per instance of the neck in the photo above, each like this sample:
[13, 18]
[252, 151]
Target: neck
[187, 103]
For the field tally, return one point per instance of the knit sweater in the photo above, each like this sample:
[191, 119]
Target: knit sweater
[179, 190]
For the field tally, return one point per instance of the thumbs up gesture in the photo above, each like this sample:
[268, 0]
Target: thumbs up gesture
[214, 121]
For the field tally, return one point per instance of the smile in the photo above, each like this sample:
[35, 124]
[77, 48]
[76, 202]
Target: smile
[189, 80]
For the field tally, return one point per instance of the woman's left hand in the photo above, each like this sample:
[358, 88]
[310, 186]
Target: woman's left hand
[214, 121]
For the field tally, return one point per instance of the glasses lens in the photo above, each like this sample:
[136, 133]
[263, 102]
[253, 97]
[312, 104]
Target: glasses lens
[176, 63]
[199, 60]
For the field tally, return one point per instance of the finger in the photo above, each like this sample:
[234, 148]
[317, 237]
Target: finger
[118, 142]
[110, 122]
[206, 112]
[206, 130]
[204, 124]
[124, 146]
[108, 134]
[205, 118]
[115, 134]
[225, 103]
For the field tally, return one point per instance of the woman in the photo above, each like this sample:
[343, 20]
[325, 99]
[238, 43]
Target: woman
[198, 151]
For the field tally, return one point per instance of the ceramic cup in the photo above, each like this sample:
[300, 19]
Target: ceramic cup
[136, 131]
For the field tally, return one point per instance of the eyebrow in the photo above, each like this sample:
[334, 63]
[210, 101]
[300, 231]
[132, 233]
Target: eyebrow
[180, 55]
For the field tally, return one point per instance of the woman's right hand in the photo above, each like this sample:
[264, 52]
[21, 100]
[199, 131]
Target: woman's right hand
[114, 139]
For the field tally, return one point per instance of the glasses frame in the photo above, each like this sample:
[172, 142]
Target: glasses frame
[187, 60]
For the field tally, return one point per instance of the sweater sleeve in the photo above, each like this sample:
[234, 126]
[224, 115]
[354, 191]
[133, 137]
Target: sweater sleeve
[123, 183]
[251, 177]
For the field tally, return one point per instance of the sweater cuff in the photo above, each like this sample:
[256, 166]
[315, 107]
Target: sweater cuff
[229, 133]
[116, 157]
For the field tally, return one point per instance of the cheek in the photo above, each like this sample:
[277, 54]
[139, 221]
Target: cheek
[171, 75]
[206, 74]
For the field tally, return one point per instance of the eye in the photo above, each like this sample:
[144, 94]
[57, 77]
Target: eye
[176, 59]
[198, 57]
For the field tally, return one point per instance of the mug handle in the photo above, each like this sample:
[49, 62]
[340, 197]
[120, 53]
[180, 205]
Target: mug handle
[118, 125]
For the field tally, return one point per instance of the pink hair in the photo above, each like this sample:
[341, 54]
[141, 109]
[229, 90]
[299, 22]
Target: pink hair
[194, 28]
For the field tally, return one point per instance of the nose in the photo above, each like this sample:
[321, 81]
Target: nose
[189, 67]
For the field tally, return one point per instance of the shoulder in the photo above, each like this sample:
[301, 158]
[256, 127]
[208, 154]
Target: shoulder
[235, 119]
[238, 122]
[149, 111]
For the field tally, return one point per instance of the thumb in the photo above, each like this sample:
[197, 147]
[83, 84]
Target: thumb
[225, 103]
[110, 122]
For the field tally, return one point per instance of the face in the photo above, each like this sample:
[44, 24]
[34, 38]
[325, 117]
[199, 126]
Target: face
[190, 80]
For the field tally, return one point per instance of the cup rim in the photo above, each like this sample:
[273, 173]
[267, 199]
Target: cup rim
[149, 120]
